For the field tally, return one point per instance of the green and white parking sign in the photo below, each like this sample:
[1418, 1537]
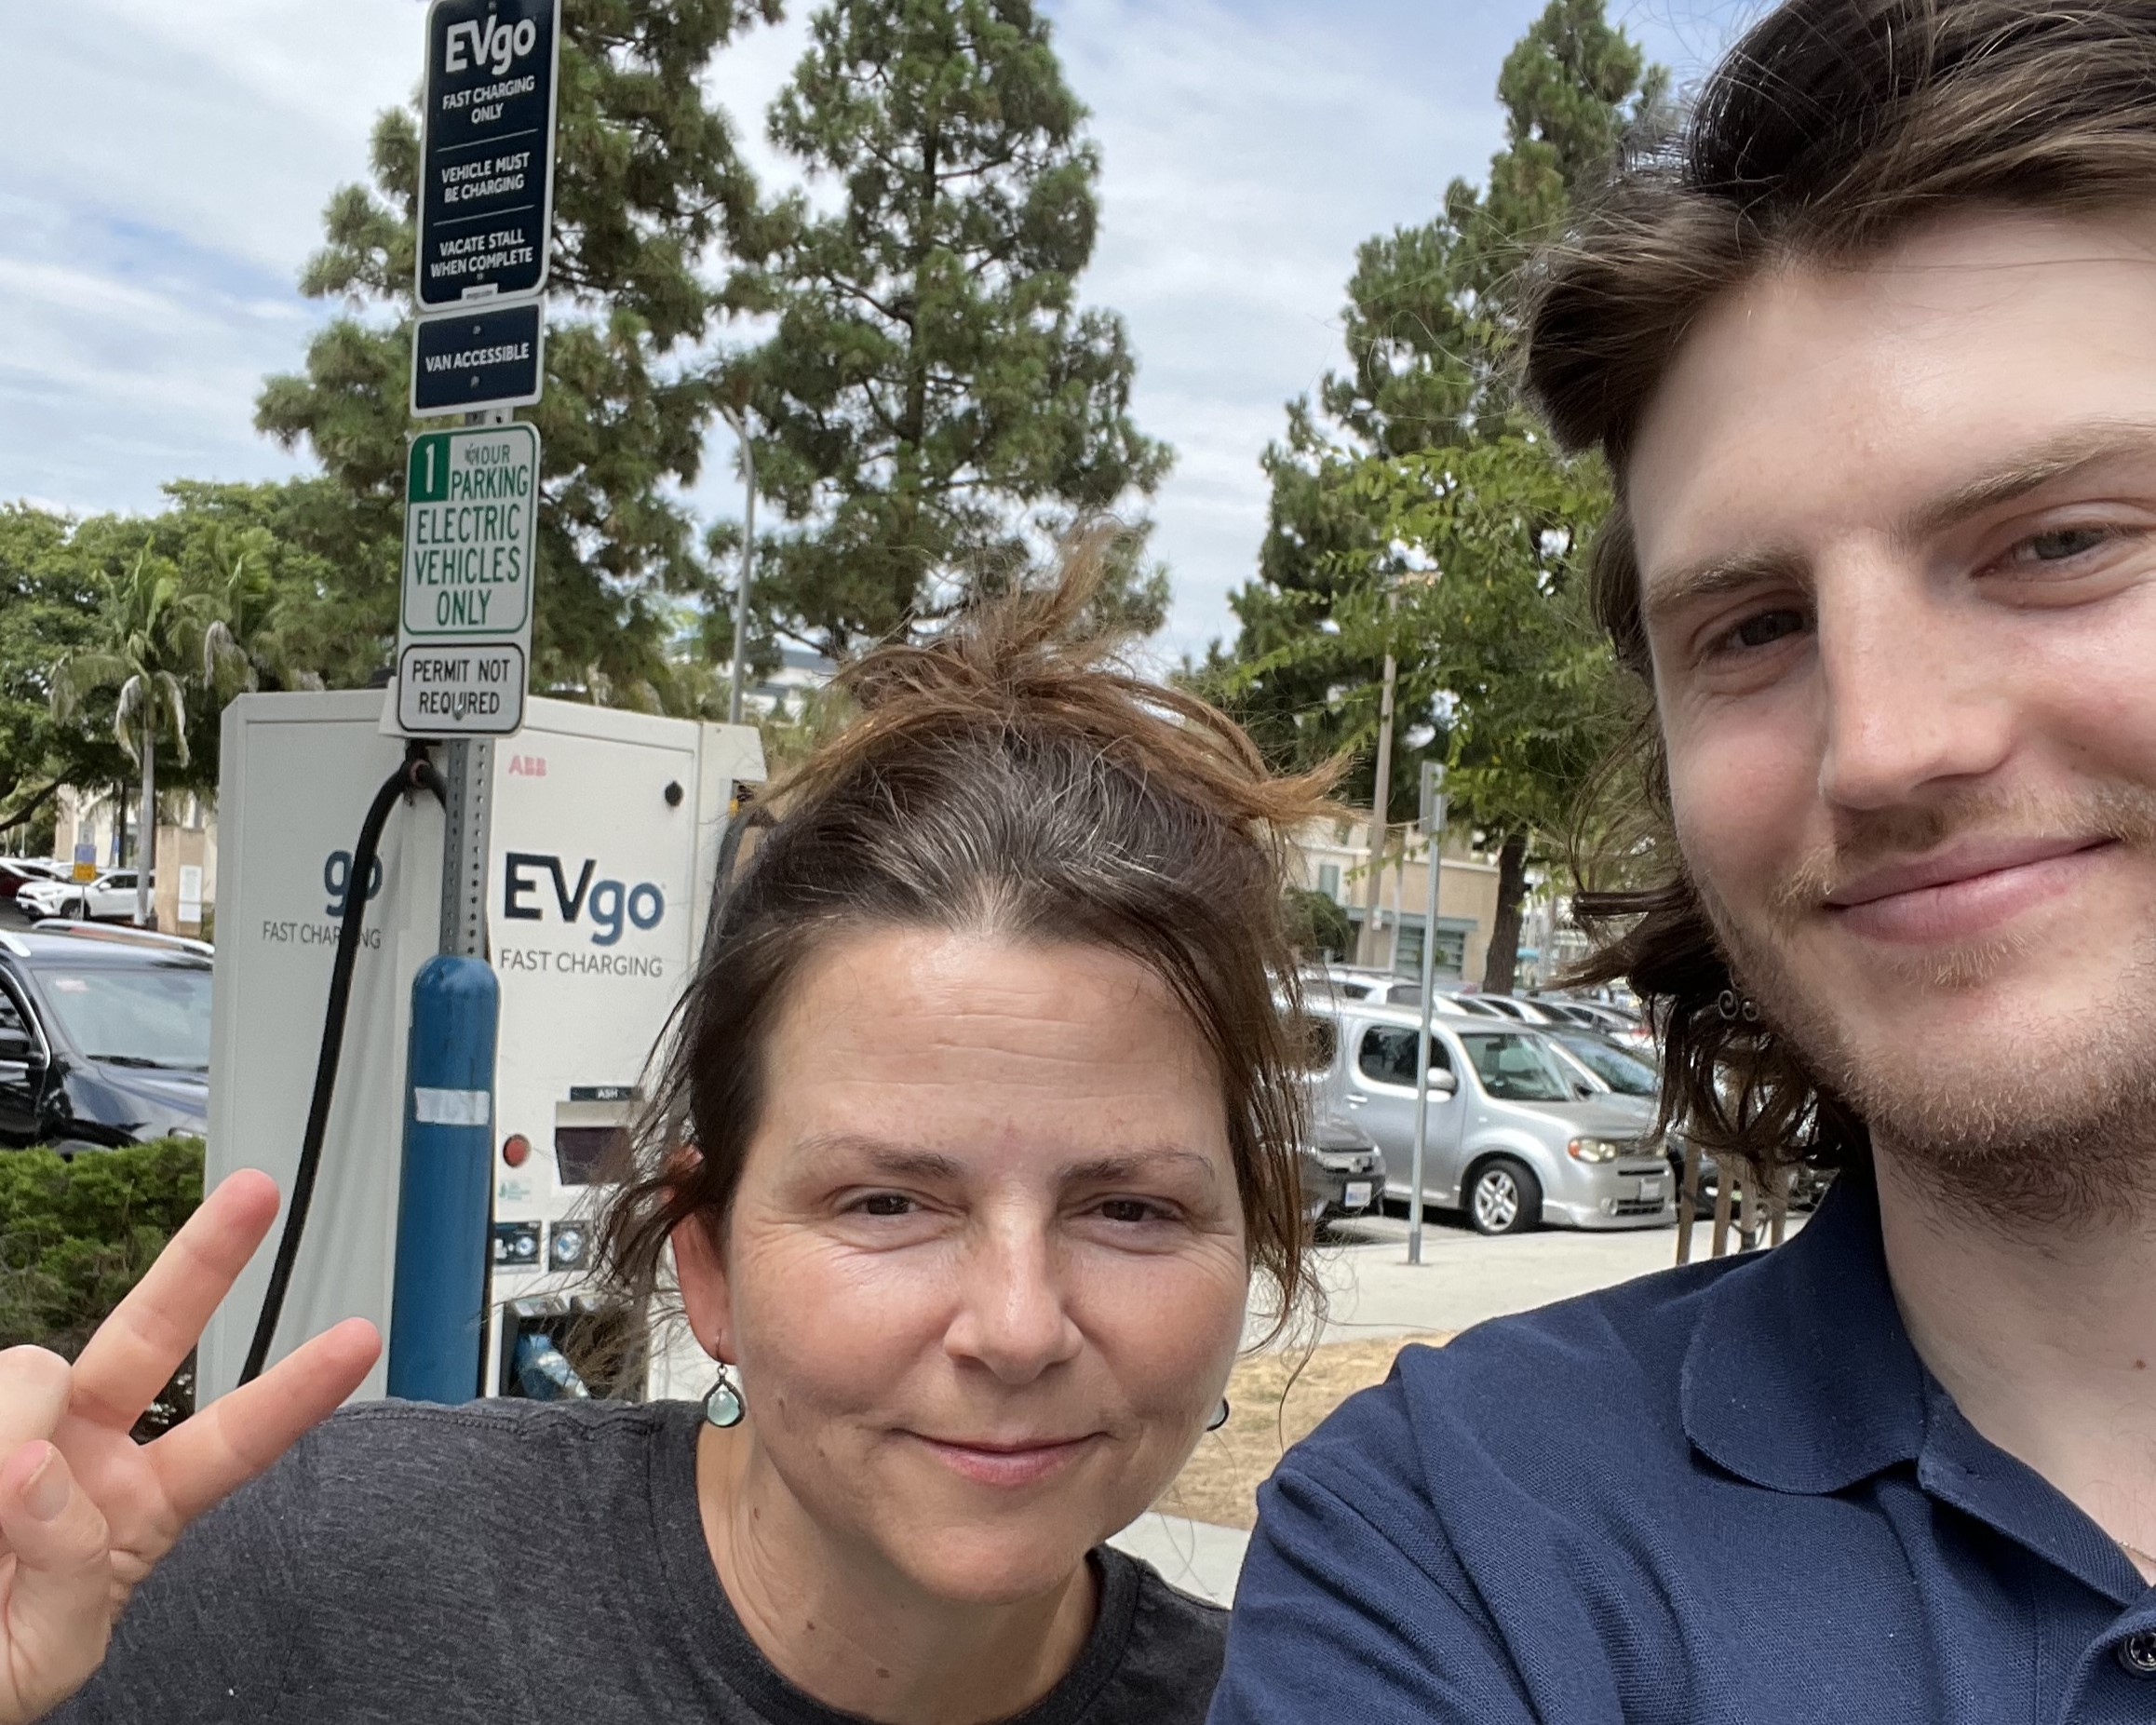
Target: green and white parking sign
[471, 527]
[471, 523]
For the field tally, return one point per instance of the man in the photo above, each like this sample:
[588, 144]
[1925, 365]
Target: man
[1873, 359]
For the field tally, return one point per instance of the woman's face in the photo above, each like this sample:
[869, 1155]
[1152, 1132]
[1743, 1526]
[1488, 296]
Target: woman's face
[985, 1272]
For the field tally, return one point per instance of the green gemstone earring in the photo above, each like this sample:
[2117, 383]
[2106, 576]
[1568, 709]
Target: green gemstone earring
[722, 1406]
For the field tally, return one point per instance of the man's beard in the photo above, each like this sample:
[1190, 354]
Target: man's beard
[2044, 1123]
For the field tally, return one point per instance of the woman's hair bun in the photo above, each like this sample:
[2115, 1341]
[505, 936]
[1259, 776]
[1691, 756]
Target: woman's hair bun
[1034, 662]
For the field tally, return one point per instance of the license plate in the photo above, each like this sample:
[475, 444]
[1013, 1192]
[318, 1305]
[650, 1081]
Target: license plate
[1651, 1189]
[1357, 1197]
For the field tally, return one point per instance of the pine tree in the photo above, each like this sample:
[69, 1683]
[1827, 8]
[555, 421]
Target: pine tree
[647, 180]
[934, 403]
[1428, 323]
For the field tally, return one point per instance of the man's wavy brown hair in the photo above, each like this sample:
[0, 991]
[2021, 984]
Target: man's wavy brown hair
[1833, 130]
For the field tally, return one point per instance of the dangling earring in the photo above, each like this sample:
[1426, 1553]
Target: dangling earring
[1219, 1419]
[722, 1406]
[1734, 1007]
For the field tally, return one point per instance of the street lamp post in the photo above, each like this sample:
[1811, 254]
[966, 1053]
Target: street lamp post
[739, 421]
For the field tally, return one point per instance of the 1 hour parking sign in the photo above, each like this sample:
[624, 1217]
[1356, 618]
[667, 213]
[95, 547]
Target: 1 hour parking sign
[464, 625]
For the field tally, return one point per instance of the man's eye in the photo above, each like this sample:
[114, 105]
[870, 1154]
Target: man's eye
[1129, 1210]
[2060, 543]
[886, 1204]
[1763, 629]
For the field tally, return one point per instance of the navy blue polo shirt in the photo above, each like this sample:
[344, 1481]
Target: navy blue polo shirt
[1729, 1494]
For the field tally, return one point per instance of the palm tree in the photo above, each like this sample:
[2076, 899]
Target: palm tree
[157, 639]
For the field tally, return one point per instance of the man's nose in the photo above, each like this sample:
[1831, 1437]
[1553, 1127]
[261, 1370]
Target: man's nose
[1913, 699]
[1013, 1314]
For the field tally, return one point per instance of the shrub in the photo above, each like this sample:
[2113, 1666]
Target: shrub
[77, 1231]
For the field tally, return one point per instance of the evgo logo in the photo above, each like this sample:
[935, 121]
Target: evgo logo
[610, 905]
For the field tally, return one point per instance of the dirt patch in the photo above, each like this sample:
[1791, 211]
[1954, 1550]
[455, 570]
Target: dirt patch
[1273, 1404]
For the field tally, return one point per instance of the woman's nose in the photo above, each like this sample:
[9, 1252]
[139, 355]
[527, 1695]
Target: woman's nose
[1012, 1315]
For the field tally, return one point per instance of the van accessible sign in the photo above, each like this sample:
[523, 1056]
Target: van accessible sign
[465, 362]
[471, 520]
[485, 187]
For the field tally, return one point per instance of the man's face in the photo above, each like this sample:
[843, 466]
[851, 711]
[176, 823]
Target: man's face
[1896, 529]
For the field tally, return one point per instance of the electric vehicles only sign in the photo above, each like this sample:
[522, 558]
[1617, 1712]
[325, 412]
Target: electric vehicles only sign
[471, 516]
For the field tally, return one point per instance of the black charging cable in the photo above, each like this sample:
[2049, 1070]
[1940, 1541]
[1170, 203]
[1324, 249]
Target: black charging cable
[415, 773]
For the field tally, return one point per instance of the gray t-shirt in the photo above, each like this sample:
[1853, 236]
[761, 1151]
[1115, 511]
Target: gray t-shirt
[517, 1563]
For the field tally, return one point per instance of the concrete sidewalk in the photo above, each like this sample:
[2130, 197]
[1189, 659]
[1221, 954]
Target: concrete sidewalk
[1464, 1278]
[1373, 1291]
[1194, 1556]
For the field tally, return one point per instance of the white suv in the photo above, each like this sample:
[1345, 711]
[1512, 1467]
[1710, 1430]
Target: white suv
[112, 895]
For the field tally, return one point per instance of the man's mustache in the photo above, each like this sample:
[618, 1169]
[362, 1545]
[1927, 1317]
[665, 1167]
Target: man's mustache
[2125, 813]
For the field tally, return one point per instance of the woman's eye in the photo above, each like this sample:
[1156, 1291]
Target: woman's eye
[1130, 1210]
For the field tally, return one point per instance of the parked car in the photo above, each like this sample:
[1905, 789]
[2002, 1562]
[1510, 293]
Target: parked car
[1343, 1170]
[111, 894]
[1607, 1064]
[1514, 1138]
[104, 1039]
[17, 873]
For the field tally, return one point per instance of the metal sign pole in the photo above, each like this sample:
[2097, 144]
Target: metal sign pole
[1433, 824]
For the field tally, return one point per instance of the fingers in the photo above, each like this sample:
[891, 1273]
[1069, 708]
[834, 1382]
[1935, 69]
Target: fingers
[33, 1391]
[239, 1434]
[60, 1607]
[140, 1345]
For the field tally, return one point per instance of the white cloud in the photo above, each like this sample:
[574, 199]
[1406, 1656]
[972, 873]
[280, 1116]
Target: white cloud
[168, 166]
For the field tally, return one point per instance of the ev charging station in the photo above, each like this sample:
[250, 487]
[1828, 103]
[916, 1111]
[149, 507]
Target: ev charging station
[431, 1034]
[604, 834]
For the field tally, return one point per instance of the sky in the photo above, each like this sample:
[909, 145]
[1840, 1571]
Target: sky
[167, 167]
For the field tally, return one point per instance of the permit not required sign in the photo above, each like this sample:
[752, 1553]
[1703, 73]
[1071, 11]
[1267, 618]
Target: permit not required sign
[471, 531]
[485, 190]
[464, 691]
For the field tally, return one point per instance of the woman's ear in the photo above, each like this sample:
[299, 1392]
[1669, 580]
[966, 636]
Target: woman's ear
[706, 1296]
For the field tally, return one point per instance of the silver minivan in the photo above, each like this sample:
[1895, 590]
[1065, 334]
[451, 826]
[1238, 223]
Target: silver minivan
[1515, 1137]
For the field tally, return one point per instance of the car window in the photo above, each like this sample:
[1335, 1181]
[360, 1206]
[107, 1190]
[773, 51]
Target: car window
[1622, 1072]
[158, 1016]
[1387, 1055]
[11, 1016]
[1517, 1069]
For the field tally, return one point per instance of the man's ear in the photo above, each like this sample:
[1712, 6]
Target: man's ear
[707, 1294]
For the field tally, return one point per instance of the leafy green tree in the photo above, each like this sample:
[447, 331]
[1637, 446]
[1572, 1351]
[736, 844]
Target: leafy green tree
[933, 404]
[148, 653]
[647, 181]
[50, 596]
[1429, 323]
[1497, 635]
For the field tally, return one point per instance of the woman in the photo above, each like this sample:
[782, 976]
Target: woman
[979, 1124]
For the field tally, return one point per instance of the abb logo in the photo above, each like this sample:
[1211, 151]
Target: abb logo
[527, 766]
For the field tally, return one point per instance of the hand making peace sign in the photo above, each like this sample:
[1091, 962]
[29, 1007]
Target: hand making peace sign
[84, 1511]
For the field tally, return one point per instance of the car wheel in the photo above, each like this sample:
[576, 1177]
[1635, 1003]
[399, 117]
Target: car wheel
[1505, 1198]
[78, 911]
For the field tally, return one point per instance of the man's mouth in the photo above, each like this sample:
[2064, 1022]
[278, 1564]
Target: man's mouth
[1964, 891]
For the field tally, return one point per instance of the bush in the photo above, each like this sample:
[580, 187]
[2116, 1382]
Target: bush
[77, 1231]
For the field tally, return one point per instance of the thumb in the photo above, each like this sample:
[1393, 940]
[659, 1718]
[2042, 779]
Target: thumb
[56, 1613]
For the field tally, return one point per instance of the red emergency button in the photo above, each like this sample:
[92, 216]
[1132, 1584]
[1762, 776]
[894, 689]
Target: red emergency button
[515, 1149]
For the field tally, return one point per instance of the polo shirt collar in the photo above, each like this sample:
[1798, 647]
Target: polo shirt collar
[1801, 1376]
